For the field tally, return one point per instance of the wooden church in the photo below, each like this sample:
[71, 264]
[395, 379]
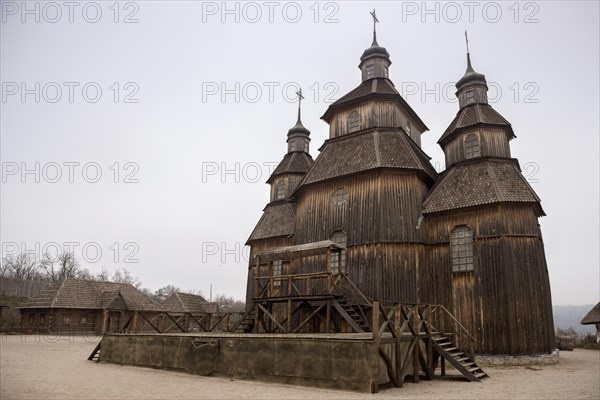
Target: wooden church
[370, 220]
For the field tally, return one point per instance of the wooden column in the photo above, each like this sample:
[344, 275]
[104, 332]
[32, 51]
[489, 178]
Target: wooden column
[105, 326]
[289, 316]
[375, 320]
[397, 325]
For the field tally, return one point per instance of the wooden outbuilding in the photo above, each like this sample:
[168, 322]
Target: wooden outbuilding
[593, 318]
[82, 306]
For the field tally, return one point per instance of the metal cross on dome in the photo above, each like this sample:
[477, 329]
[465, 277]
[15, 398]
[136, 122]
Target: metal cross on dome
[375, 20]
[300, 97]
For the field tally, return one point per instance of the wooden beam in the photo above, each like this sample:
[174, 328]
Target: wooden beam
[308, 318]
[268, 314]
[346, 317]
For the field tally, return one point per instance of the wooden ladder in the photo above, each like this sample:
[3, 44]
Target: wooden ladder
[455, 356]
[95, 356]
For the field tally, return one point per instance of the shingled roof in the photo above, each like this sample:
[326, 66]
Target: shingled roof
[380, 88]
[351, 154]
[82, 294]
[473, 115]
[180, 302]
[485, 181]
[593, 317]
[278, 219]
[297, 162]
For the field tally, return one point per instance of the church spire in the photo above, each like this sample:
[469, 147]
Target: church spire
[472, 87]
[375, 21]
[298, 135]
[375, 60]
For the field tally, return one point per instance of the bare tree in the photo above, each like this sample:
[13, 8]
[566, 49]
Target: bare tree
[124, 276]
[21, 266]
[102, 276]
[164, 292]
[61, 267]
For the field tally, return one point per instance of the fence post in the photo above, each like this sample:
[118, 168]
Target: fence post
[375, 320]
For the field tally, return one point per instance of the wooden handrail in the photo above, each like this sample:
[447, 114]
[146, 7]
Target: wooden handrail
[356, 289]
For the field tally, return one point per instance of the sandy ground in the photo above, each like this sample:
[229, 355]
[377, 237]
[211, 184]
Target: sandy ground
[42, 368]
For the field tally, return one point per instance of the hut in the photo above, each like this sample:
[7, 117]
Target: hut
[593, 318]
[82, 306]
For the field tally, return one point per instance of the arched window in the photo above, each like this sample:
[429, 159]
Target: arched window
[280, 190]
[408, 128]
[461, 245]
[385, 72]
[338, 258]
[353, 122]
[339, 197]
[293, 145]
[472, 147]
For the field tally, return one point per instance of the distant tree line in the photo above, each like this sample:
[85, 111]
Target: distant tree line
[22, 275]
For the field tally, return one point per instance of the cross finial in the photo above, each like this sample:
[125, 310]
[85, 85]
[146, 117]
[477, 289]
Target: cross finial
[375, 21]
[468, 55]
[300, 98]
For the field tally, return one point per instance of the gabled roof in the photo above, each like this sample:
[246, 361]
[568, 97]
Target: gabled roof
[180, 302]
[484, 181]
[473, 115]
[593, 317]
[380, 88]
[278, 219]
[365, 151]
[297, 162]
[82, 294]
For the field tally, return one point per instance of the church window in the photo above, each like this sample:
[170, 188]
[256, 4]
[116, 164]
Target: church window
[472, 147]
[408, 128]
[353, 122]
[42, 319]
[82, 320]
[461, 244]
[370, 70]
[280, 190]
[339, 197]
[293, 145]
[338, 258]
[67, 320]
[277, 269]
[31, 318]
[385, 72]
[306, 147]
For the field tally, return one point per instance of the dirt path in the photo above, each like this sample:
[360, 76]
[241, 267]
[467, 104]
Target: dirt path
[57, 369]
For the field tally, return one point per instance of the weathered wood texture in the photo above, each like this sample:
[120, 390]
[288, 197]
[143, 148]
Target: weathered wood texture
[380, 114]
[505, 302]
[492, 142]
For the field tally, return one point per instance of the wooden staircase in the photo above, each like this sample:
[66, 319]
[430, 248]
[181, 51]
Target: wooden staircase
[459, 360]
[95, 356]
[356, 313]
[246, 325]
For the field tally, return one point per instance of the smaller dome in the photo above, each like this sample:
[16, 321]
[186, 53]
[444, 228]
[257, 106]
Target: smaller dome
[298, 129]
[471, 77]
[374, 51]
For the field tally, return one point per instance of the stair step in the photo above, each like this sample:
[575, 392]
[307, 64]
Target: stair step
[480, 375]
[472, 370]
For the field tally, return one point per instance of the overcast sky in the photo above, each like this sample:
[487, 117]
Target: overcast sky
[149, 128]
